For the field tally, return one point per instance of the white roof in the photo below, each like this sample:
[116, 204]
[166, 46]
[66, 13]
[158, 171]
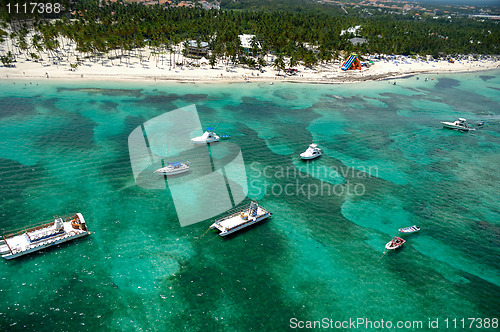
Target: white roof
[246, 41]
[352, 30]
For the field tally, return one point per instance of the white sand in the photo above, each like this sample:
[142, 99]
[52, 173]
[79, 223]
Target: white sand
[153, 68]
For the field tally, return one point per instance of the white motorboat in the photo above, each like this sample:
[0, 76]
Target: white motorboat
[45, 235]
[410, 229]
[312, 152]
[460, 124]
[240, 219]
[174, 168]
[208, 136]
[395, 243]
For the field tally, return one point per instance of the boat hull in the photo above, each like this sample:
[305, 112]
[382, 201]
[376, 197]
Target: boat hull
[43, 236]
[175, 172]
[395, 243]
[250, 223]
[408, 230]
[204, 141]
[389, 247]
[309, 157]
[239, 220]
[450, 125]
[45, 245]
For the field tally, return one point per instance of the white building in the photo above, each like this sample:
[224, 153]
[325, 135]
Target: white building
[246, 42]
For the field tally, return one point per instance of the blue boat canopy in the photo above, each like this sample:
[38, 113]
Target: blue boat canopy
[210, 128]
[175, 163]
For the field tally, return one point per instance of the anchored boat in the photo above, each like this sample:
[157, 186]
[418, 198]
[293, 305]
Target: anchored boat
[312, 152]
[45, 235]
[460, 124]
[174, 168]
[208, 136]
[395, 243]
[411, 229]
[240, 219]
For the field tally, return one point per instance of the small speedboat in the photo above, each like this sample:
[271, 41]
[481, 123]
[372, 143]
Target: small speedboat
[312, 152]
[460, 124]
[411, 229]
[395, 243]
[208, 137]
[174, 168]
[480, 123]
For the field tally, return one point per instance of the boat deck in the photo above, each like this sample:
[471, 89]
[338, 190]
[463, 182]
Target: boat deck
[236, 222]
[39, 237]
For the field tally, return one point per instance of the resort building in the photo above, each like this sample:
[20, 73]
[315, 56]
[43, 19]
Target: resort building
[198, 49]
[246, 43]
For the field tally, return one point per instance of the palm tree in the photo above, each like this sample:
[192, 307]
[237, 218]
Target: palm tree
[279, 63]
[293, 61]
[251, 63]
[254, 43]
[212, 60]
[35, 42]
[261, 62]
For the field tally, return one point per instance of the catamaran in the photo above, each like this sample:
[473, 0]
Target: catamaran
[240, 219]
[45, 235]
[208, 136]
[177, 167]
[312, 152]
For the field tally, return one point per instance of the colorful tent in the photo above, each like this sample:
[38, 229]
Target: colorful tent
[351, 63]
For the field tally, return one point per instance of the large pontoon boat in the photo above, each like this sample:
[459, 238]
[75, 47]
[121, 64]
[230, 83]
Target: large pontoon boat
[45, 235]
[240, 219]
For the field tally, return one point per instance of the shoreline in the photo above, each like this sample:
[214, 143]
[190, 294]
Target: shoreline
[329, 73]
[9, 76]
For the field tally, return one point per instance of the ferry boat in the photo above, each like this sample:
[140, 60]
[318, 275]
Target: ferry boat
[45, 235]
[241, 219]
[395, 243]
[312, 152]
[208, 136]
[177, 167]
[460, 124]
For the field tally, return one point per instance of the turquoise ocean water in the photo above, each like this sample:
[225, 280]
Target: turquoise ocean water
[387, 164]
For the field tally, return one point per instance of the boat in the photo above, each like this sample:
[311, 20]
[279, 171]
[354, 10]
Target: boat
[460, 124]
[312, 152]
[411, 229]
[480, 123]
[395, 243]
[177, 167]
[240, 219]
[208, 136]
[44, 235]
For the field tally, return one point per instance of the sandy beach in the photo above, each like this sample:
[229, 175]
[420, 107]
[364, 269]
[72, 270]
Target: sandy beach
[145, 65]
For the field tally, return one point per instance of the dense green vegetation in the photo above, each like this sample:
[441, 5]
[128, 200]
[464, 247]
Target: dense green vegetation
[306, 32]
